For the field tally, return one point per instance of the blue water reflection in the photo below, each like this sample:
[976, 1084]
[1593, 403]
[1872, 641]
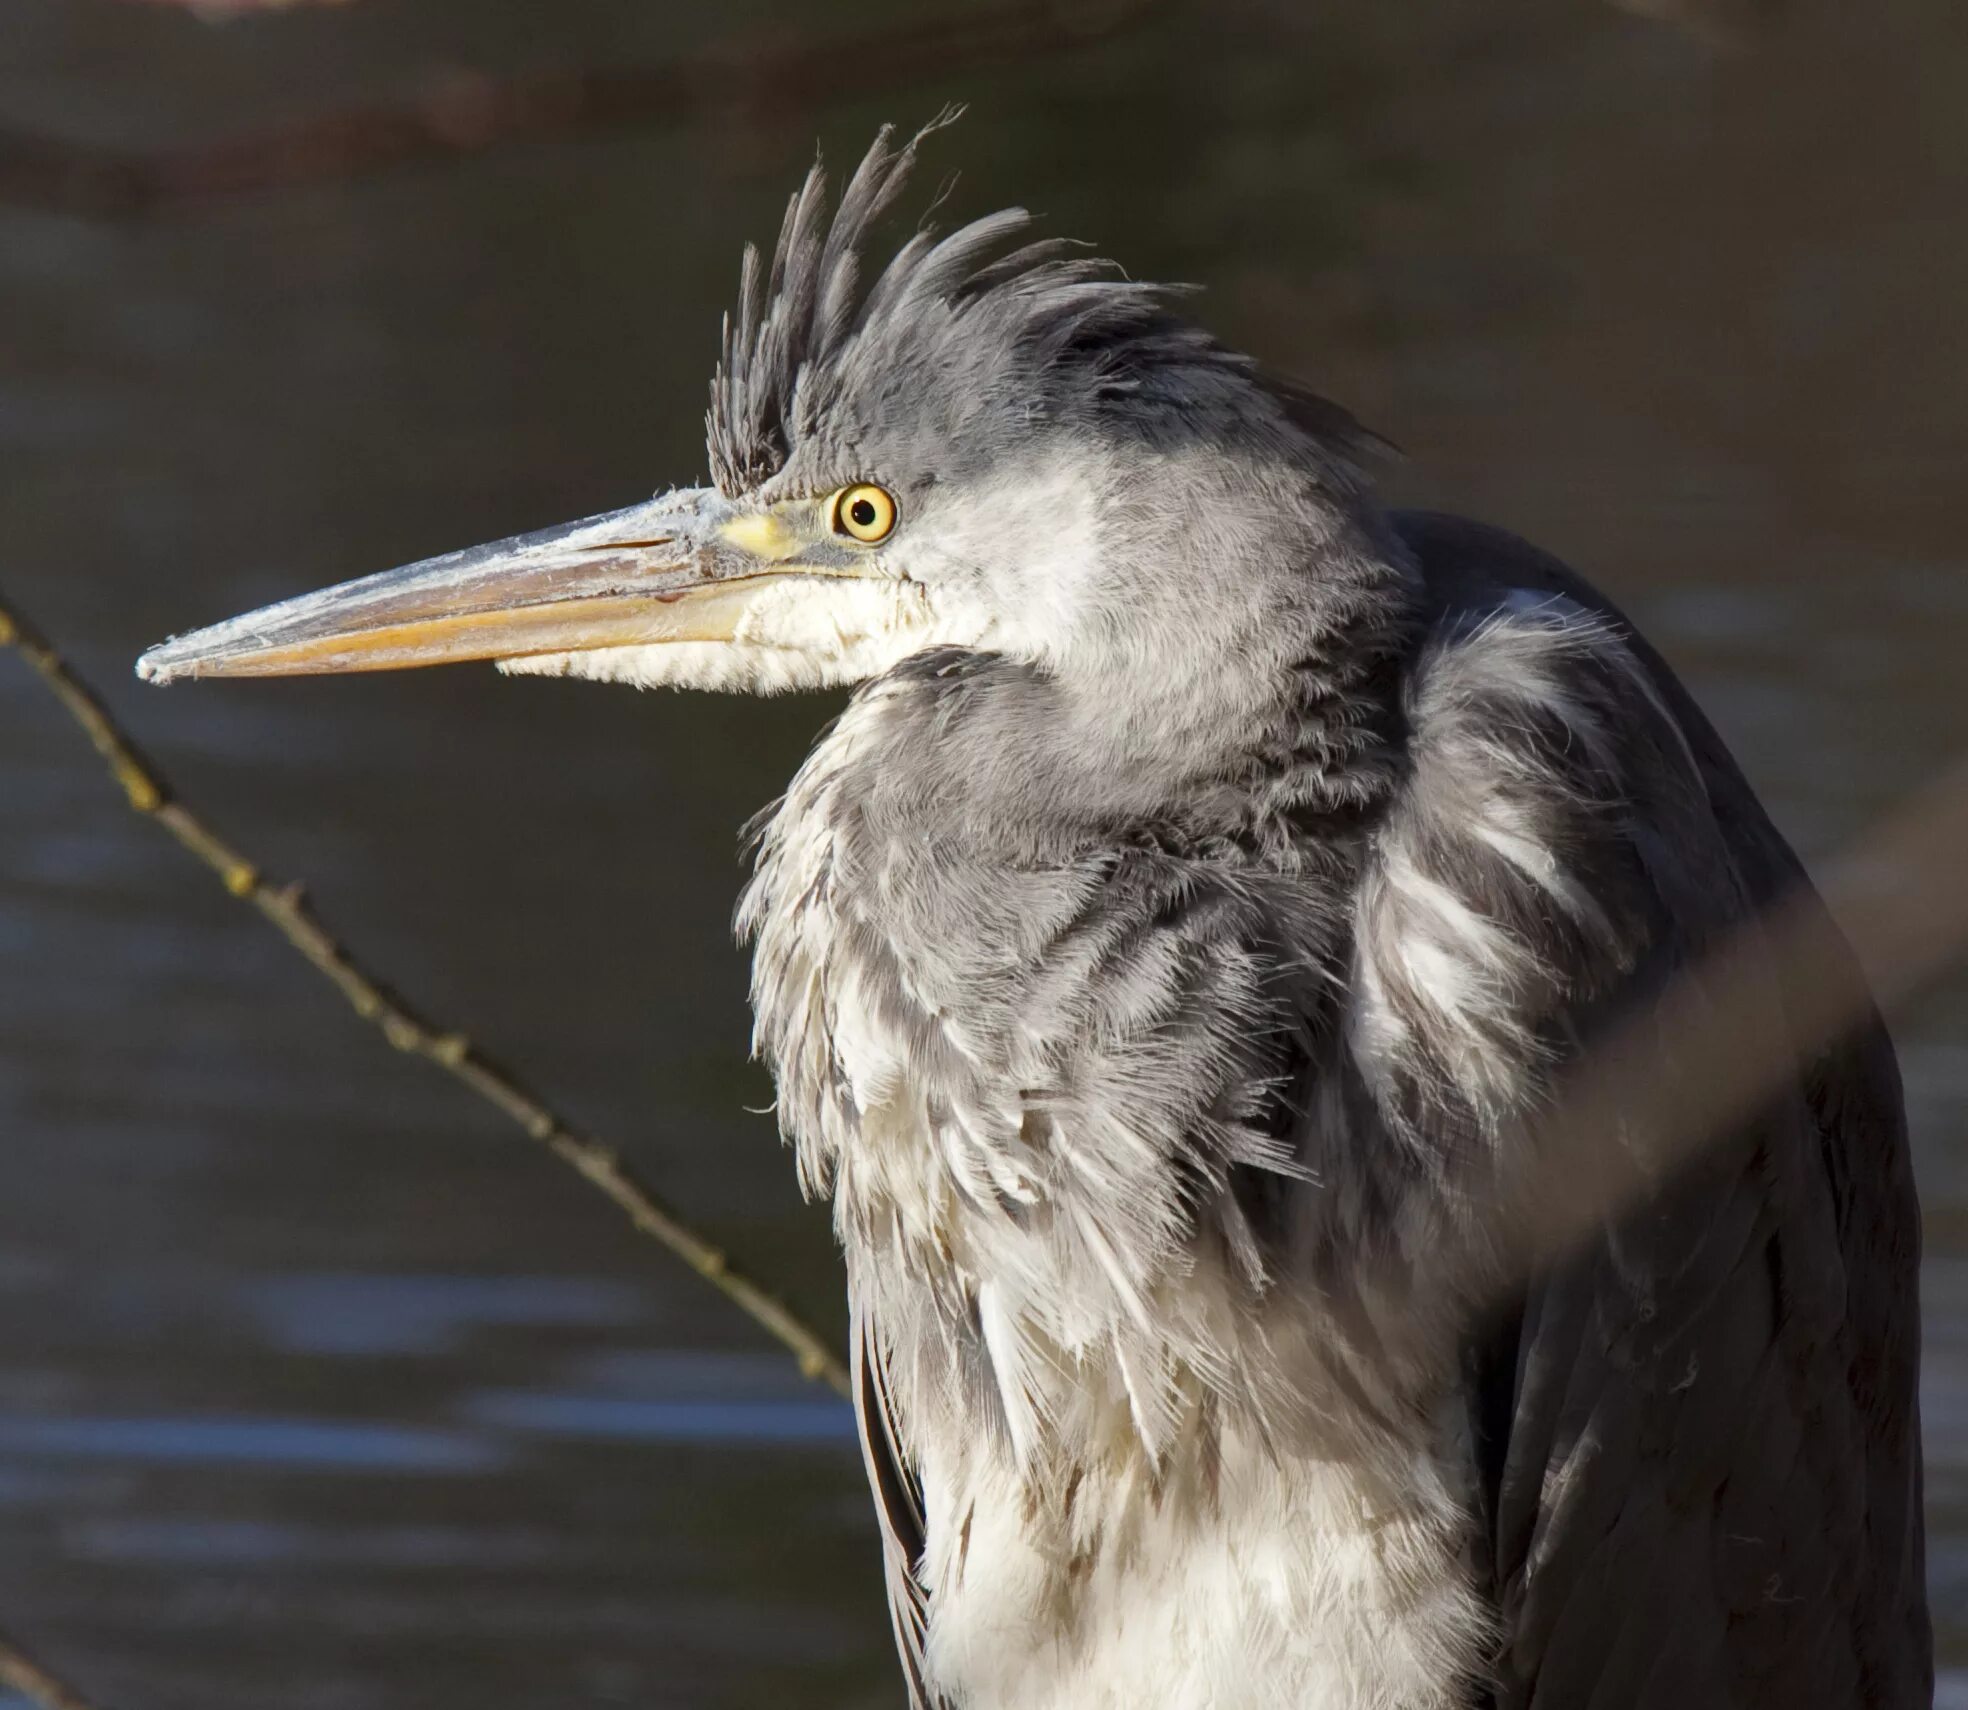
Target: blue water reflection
[341, 1315]
[312, 1445]
[733, 1424]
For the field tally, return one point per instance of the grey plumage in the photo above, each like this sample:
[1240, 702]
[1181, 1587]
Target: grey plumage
[1198, 1043]
[1169, 962]
[960, 337]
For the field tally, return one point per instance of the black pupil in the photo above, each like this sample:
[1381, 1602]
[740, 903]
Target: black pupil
[862, 513]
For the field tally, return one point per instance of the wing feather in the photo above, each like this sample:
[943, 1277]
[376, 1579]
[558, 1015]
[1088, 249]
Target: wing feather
[898, 1507]
[1698, 1437]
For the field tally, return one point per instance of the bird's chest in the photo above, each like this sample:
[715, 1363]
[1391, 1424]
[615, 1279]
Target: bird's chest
[1289, 1583]
[1024, 1088]
[838, 1021]
[901, 1000]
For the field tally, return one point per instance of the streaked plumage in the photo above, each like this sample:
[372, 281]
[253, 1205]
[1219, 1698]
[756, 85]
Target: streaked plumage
[1163, 961]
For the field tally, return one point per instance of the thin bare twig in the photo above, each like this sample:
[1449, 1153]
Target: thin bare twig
[287, 910]
[217, 11]
[20, 1673]
[755, 79]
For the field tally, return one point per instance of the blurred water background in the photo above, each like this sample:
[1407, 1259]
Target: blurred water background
[320, 1389]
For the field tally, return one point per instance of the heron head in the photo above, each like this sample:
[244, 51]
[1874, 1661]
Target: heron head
[993, 442]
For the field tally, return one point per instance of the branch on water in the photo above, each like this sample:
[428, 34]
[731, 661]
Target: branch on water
[287, 910]
[218, 10]
[20, 1673]
[764, 80]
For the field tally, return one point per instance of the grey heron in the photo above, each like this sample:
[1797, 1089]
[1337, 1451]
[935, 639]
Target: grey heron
[1163, 960]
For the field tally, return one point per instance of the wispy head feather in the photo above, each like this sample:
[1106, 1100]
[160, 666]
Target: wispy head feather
[986, 314]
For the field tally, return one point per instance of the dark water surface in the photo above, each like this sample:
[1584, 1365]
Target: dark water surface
[318, 1388]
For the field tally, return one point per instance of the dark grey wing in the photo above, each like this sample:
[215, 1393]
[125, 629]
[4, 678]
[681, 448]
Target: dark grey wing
[898, 1506]
[1699, 1438]
[1703, 1458]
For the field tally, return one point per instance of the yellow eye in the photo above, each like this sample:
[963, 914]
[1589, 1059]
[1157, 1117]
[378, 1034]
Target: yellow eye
[863, 512]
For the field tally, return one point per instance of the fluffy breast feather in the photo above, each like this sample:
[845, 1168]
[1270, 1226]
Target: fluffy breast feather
[1134, 1144]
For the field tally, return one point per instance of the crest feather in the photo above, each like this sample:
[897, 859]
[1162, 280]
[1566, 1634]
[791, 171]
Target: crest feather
[985, 311]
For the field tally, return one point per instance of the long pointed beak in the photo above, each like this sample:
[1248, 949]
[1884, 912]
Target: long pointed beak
[660, 571]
